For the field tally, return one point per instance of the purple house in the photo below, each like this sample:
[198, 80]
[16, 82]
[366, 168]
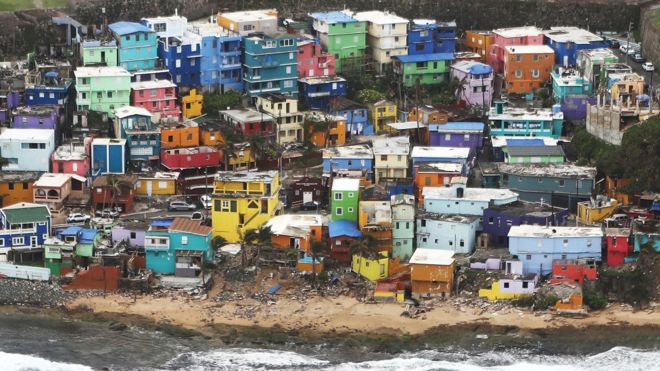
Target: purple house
[132, 232]
[457, 134]
[8, 100]
[499, 219]
[34, 117]
[477, 87]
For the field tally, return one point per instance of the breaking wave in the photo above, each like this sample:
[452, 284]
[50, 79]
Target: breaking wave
[22, 362]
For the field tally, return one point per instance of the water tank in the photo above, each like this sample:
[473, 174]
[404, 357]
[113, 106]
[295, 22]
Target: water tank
[556, 108]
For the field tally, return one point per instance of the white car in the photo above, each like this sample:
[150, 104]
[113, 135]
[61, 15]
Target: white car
[206, 201]
[648, 66]
[78, 218]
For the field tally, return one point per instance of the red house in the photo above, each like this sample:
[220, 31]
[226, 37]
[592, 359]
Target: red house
[312, 62]
[342, 233]
[70, 159]
[186, 158]
[250, 121]
[104, 195]
[618, 245]
[157, 97]
[573, 271]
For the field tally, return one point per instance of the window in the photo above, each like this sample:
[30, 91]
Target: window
[133, 235]
[536, 73]
[466, 137]
[506, 285]
[25, 185]
[288, 69]
[11, 186]
[423, 222]
[339, 196]
[490, 220]
[350, 209]
[18, 241]
[339, 211]
[589, 243]
[248, 27]
[288, 83]
[561, 182]
[286, 42]
[461, 243]
[540, 180]
[518, 73]
[424, 239]
[184, 240]
[528, 257]
[160, 27]
[447, 137]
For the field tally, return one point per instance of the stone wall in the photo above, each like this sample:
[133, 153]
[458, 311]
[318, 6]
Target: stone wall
[604, 124]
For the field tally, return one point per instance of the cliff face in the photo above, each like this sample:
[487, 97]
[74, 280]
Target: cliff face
[651, 33]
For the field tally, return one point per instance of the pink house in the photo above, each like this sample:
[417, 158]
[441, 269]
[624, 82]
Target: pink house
[70, 159]
[502, 37]
[157, 97]
[312, 62]
[477, 87]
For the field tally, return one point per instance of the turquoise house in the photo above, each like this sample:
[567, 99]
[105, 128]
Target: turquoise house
[568, 81]
[179, 246]
[270, 64]
[138, 45]
[524, 122]
[646, 232]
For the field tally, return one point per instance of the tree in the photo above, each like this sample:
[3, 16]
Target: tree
[218, 242]
[316, 249]
[213, 103]
[246, 238]
[117, 186]
[367, 96]
[364, 247]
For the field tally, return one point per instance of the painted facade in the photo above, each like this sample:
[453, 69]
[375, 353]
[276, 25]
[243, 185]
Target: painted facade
[250, 121]
[342, 36]
[137, 45]
[455, 233]
[427, 69]
[618, 245]
[382, 113]
[498, 220]
[23, 228]
[432, 273]
[534, 155]
[71, 158]
[16, 187]
[435, 174]
[249, 21]
[319, 92]
[477, 87]
[99, 53]
[508, 121]
[403, 226]
[27, 149]
[159, 183]
[356, 161]
[108, 156]
[344, 199]
[479, 42]
[568, 41]
[341, 233]
[102, 89]
[459, 199]
[596, 210]
[527, 68]
[104, 195]
[270, 64]
[503, 37]
[35, 117]
[387, 36]
[180, 248]
[391, 157]
[426, 36]
[356, 115]
[312, 62]
[325, 130]
[371, 269]
[191, 104]
[457, 134]
[176, 135]
[190, 158]
[158, 97]
[284, 110]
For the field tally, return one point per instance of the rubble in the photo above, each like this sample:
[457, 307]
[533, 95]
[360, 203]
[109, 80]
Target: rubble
[35, 293]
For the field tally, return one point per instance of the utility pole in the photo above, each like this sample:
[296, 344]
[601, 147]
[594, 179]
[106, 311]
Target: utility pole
[630, 24]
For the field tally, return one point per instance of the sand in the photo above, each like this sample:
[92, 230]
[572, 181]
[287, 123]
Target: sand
[344, 314]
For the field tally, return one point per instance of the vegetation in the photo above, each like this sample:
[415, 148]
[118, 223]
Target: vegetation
[544, 302]
[364, 247]
[217, 102]
[634, 284]
[14, 5]
[593, 298]
[317, 249]
[524, 301]
[367, 96]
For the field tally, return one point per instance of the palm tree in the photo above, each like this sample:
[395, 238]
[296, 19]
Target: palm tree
[218, 242]
[364, 247]
[315, 249]
[248, 237]
[117, 186]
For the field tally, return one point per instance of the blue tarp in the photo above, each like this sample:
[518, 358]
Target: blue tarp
[52, 74]
[524, 142]
[457, 126]
[274, 289]
[127, 28]
[69, 231]
[425, 57]
[308, 259]
[333, 17]
[88, 235]
[343, 228]
[480, 69]
[655, 206]
[162, 223]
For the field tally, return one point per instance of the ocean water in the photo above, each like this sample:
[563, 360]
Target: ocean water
[244, 359]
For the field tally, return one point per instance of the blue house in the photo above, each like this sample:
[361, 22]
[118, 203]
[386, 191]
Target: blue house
[142, 138]
[182, 58]
[645, 232]
[459, 199]
[221, 68]
[319, 91]
[568, 81]
[356, 115]
[108, 156]
[426, 36]
[537, 245]
[138, 45]
[23, 229]
[501, 144]
[498, 219]
[523, 122]
[567, 41]
[457, 134]
[458, 155]
[270, 64]
[179, 246]
[54, 91]
[356, 161]
[559, 184]
[457, 233]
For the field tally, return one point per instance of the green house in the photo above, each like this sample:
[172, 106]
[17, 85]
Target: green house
[342, 35]
[87, 240]
[534, 155]
[429, 69]
[344, 199]
[58, 254]
[102, 89]
[99, 53]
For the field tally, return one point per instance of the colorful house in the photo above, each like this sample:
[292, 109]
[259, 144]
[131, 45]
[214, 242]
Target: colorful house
[477, 83]
[99, 53]
[342, 36]
[375, 220]
[87, 240]
[527, 68]
[356, 115]
[403, 226]
[105, 195]
[574, 271]
[58, 256]
[35, 117]
[568, 81]
[70, 158]
[382, 113]
[249, 21]
[596, 210]
[356, 161]
[318, 92]
[108, 156]
[426, 36]
[190, 158]
[27, 149]
[619, 246]
[427, 69]
[178, 246]
[591, 61]
[284, 110]
[243, 201]
[312, 62]
[479, 42]
[457, 134]
[138, 45]
[423, 155]
[459, 199]
[646, 232]
[53, 190]
[455, 233]
[435, 174]
[432, 273]
[179, 134]
[191, 104]
[270, 64]
[344, 199]
[538, 246]
[23, 229]
[159, 183]
[512, 283]
[341, 234]
[142, 139]
[325, 130]
[102, 89]
[8, 99]
[568, 41]
[131, 232]
[16, 187]
[498, 220]
[51, 90]
[307, 191]
[534, 155]
[220, 62]
[372, 269]
[391, 157]
[291, 231]
[540, 122]
[387, 36]
[514, 36]
[427, 115]
[250, 121]
[157, 97]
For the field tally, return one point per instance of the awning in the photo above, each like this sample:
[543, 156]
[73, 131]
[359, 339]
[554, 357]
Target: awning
[191, 253]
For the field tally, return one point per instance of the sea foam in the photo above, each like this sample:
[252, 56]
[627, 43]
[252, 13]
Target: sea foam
[22, 362]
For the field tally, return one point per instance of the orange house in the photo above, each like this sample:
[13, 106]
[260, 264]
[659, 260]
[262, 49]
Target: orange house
[178, 135]
[479, 42]
[527, 67]
[434, 174]
[432, 272]
[375, 220]
[428, 115]
[322, 125]
[613, 186]
[296, 231]
[16, 187]
[210, 135]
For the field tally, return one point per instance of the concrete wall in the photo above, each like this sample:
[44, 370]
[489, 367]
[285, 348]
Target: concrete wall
[604, 124]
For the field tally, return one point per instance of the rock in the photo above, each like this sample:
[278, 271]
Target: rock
[117, 326]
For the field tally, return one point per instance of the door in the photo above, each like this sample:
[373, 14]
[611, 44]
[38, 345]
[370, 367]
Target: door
[307, 197]
[33, 241]
[326, 72]
[102, 57]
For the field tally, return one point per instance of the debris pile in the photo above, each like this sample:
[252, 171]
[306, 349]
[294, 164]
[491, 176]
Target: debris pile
[35, 293]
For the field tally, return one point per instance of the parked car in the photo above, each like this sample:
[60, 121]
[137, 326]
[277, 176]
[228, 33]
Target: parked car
[313, 205]
[78, 218]
[206, 201]
[648, 66]
[632, 51]
[638, 58]
[181, 206]
[624, 48]
[613, 43]
[109, 212]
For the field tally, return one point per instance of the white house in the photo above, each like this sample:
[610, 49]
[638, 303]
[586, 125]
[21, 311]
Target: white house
[27, 149]
[455, 233]
[387, 35]
[459, 199]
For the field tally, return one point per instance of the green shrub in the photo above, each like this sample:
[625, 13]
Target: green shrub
[544, 302]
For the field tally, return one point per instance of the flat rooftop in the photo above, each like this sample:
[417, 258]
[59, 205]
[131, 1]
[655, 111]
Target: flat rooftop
[251, 15]
[100, 72]
[27, 134]
[451, 218]
[504, 141]
[562, 170]
[518, 31]
[246, 176]
[152, 84]
[379, 17]
[333, 17]
[458, 127]
[469, 193]
[345, 184]
[440, 152]
[525, 114]
[529, 49]
[571, 34]
[391, 145]
[18, 176]
[432, 257]
[535, 151]
[67, 152]
[520, 208]
[52, 180]
[246, 115]
[440, 167]
[354, 151]
[554, 231]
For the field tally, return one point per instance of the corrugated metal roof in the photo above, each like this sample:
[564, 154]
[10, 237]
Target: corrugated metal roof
[536, 151]
[26, 212]
[189, 226]
[126, 28]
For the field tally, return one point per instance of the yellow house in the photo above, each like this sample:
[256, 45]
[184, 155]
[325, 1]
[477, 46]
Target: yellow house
[192, 104]
[157, 184]
[594, 211]
[242, 159]
[243, 201]
[495, 293]
[391, 157]
[371, 269]
[382, 113]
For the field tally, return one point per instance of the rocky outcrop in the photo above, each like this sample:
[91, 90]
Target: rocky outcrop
[650, 31]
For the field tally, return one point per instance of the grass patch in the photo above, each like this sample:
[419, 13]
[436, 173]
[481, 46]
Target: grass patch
[14, 5]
